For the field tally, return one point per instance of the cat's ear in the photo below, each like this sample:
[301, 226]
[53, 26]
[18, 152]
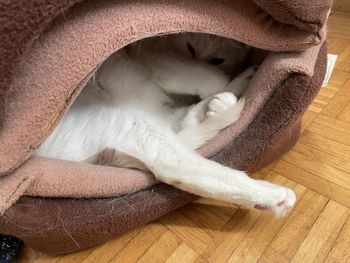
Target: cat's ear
[191, 49]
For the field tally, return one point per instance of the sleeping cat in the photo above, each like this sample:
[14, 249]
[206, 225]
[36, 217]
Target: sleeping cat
[132, 113]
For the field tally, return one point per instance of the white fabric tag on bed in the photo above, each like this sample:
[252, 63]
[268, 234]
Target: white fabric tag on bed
[331, 59]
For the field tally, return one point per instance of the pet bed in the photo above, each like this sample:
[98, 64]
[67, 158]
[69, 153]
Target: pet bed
[49, 49]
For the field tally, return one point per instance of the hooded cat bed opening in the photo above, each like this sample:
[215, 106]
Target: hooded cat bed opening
[59, 63]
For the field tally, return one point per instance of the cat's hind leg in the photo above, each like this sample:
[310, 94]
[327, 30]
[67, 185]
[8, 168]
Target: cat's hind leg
[113, 157]
[174, 164]
[204, 122]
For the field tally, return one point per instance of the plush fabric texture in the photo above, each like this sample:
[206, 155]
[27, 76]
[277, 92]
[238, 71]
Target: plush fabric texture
[54, 178]
[93, 29]
[307, 15]
[58, 226]
[23, 20]
[276, 128]
[21, 23]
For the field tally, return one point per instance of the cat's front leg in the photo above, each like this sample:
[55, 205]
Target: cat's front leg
[240, 83]
[207, 118]
[219, 103]
[208, 108]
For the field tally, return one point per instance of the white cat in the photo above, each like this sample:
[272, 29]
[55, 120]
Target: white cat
[129, 115]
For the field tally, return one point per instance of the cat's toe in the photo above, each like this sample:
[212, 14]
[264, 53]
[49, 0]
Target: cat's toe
[279, 201]
[220, 103]
[286, 203]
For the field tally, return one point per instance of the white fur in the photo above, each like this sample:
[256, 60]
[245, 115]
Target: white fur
[128, 107]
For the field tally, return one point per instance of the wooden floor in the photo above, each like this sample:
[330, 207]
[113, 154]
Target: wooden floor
[317, 169]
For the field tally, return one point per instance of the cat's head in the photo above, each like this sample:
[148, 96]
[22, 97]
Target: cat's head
[226, 54]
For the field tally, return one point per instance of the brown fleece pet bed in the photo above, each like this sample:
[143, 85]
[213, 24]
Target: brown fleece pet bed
[59, 206]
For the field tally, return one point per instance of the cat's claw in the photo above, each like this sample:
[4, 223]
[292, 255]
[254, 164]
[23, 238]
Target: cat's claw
[220, 102]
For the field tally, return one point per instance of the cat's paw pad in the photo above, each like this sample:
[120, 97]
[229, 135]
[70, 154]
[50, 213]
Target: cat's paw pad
[279, 201]
[220, 102]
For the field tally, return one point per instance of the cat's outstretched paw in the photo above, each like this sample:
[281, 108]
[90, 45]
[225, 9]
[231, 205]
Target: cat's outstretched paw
[220, 102]
[277, 199]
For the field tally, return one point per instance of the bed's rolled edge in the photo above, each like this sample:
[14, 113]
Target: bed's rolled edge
[60, 226]
[21, 24]
[43, 223]
[276, 129]
[304, 14]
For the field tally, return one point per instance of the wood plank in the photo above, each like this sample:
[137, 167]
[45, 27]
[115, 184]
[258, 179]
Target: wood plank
[264, 172]
[323, 97]
[345, 114]
[314, 182]
[44, 259]
[323, 170]
[341, 249]
[222, 210]
[325, 94]
[336, 124]
[343, 63]
[295, 229]
[338, 102]
[327, 145]
[76, 257]
[308, 118]
[138, 245]
[314, 109]
[215, 203]
[339, 78]
[108, 250]
[184, 254]
[323, 157]
[341, 5]
[337, 46]
[330, 133]
[261, 234]
[211, 218]
[323, 234]
[338, 25]
[234, 231]
[161, 250]
[195, 237]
